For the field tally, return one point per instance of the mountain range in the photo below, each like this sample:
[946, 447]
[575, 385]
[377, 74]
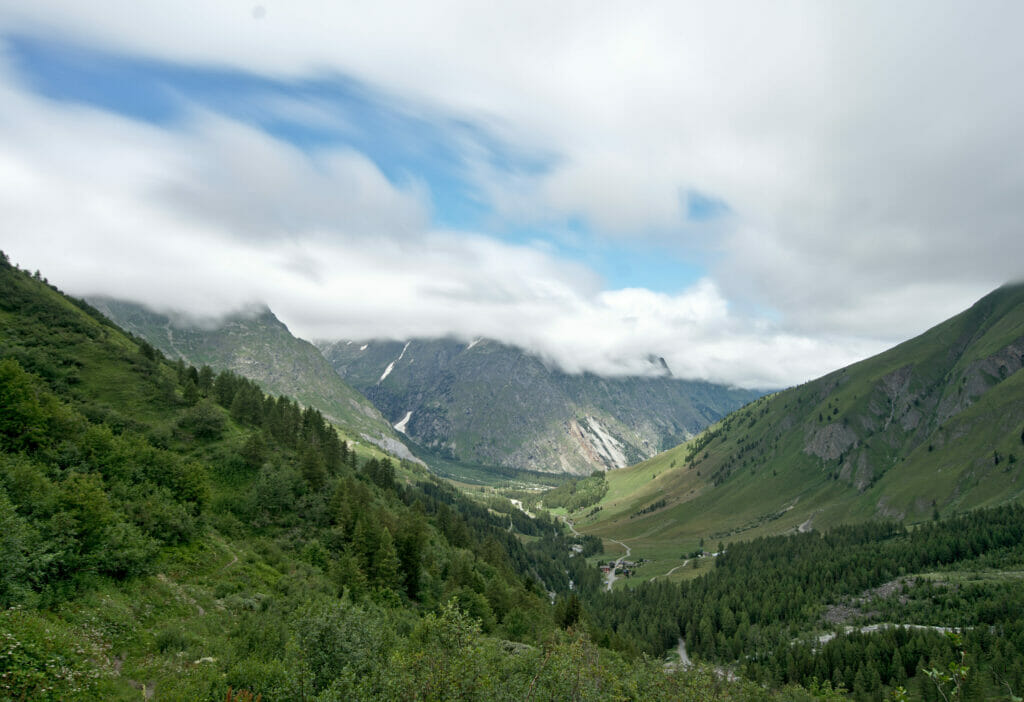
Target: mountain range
[933, 425]
[489, 403]
[481, 406]
[168, 533]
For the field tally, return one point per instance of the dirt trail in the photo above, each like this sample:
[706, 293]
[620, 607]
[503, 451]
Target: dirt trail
[682, 565]
[568, 523]
[684, 659]
[686, 662]
[610, 578]
[518, 504]
[809, 524]
[683, 662]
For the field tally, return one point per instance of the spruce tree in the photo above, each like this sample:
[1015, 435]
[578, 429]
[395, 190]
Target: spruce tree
[312, 467]
[387, 568]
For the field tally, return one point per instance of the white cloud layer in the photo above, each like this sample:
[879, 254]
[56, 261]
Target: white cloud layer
[866, 151]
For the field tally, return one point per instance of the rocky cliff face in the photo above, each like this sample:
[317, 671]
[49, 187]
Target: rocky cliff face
[487, 403]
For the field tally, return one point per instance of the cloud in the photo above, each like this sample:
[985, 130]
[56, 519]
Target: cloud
[864, 153]
[258, 187]
[183, 221]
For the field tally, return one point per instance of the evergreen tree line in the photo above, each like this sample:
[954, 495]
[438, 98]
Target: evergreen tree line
[763, 595]
[128, 489]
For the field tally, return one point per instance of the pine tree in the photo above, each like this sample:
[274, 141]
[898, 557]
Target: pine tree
[386, 567]
[254, 451]
[837, 678]
[205, 381]
[365, 543]
[409, 544]
[873, 679]
[190, 392]
[247, 404]
[899, 672]
[332, 451]
[860, 683]
[312, 467]
[224, 388]
[346, 574]
[568, 611]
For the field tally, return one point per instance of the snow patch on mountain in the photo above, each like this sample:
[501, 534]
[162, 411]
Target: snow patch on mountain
[400, 426]
[391, 366]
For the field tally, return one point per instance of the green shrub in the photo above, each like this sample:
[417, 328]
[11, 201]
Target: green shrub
[172, 640]
[204, 421]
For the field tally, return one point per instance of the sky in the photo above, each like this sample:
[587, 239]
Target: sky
[757, 192]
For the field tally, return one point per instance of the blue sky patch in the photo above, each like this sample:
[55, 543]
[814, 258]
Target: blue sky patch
[701, 207]
[331, 111]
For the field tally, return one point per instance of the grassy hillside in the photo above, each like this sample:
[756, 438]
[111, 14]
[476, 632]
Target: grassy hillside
[933, 426]
[260, 347]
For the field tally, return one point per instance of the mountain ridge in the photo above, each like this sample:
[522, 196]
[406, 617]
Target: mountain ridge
[259, 346]
[492, 403]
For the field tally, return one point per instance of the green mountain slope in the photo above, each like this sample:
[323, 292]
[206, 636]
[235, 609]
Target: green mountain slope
[490, 404]
[167, 534]
[260, 347]
[935, 424]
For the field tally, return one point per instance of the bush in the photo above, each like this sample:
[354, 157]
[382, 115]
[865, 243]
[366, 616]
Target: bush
[15, 541]
[172, 640]
[125, 552]
[204, 421]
